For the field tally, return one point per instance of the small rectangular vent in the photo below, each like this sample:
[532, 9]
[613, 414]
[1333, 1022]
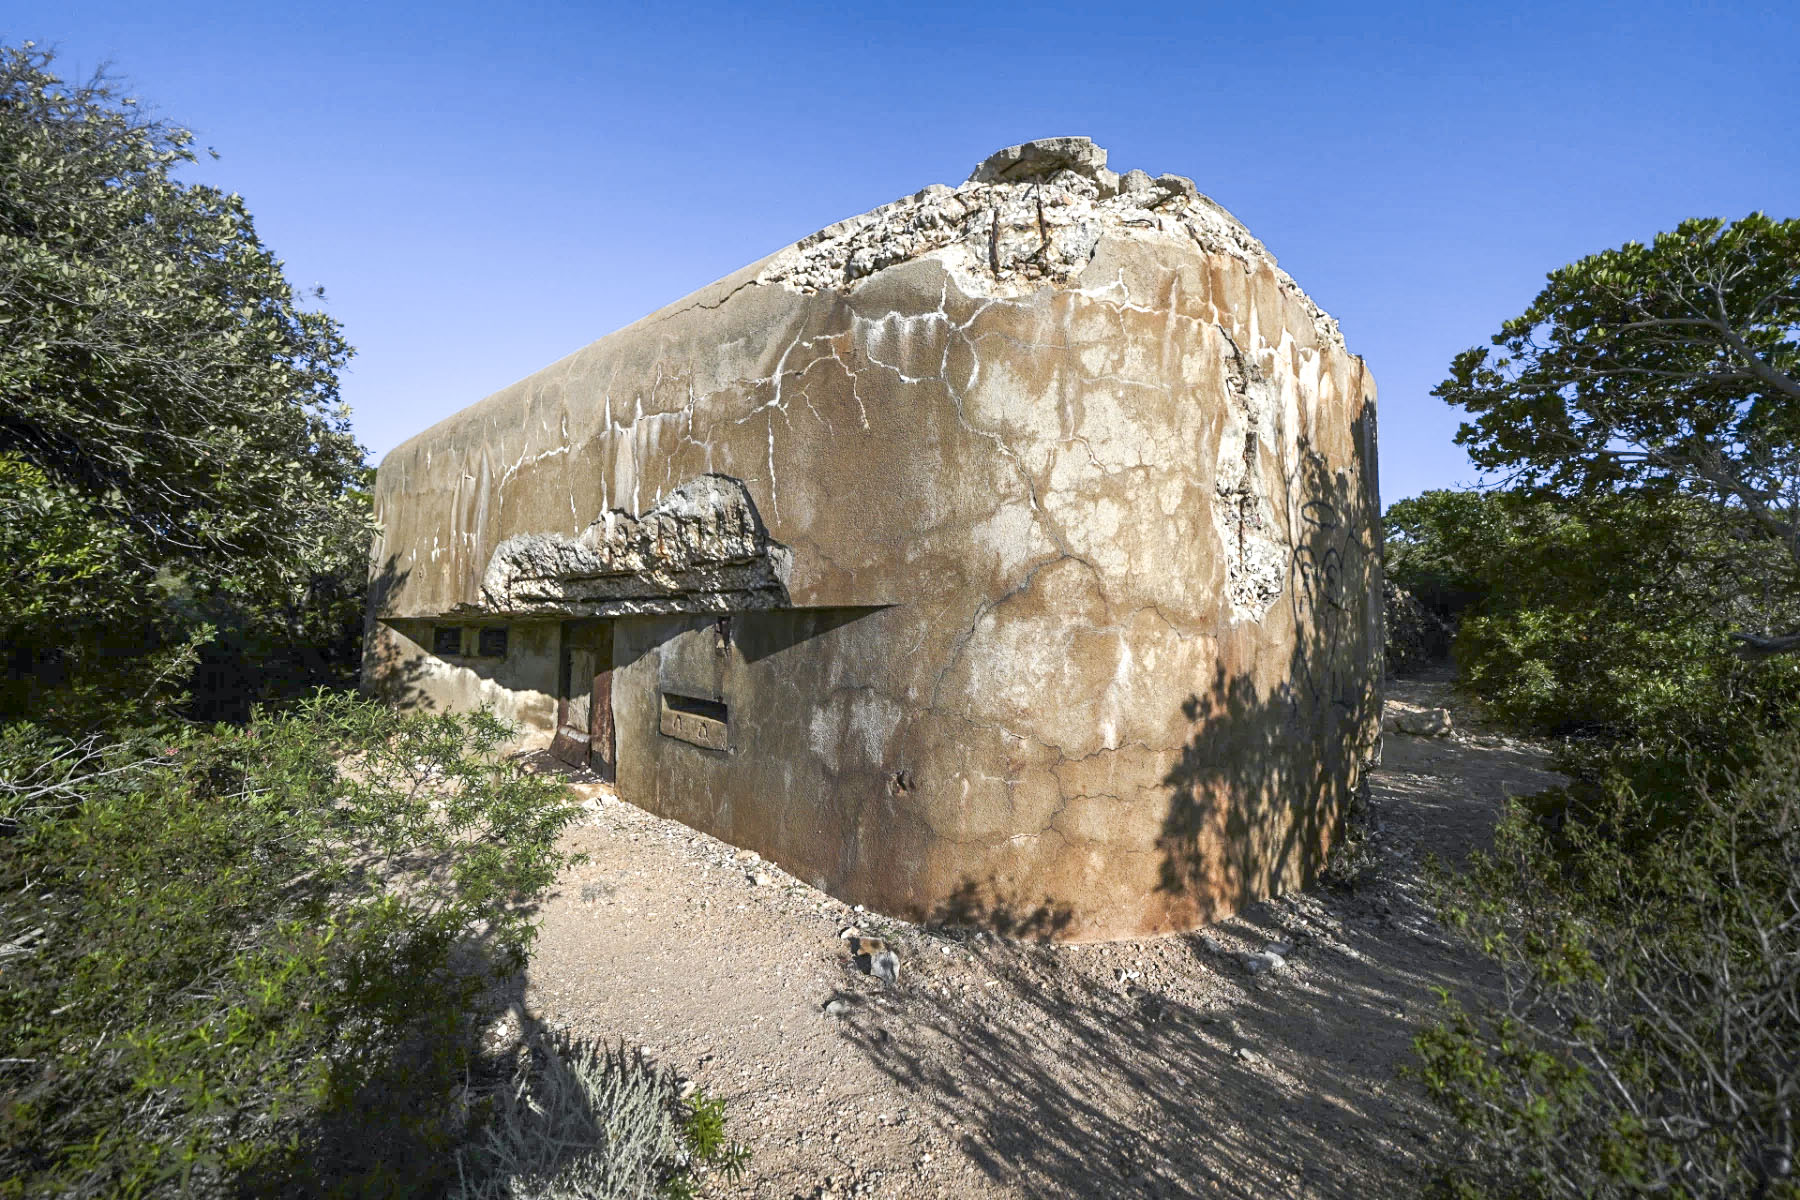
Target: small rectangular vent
[492, 643]
[693, 719]
[446, 640]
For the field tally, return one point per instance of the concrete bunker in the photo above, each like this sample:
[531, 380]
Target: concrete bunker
[1005, 555]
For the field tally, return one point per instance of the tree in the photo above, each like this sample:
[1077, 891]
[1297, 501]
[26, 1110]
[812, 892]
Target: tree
[1426, 541]
[160, 381]
[1598, 616]
[1646, 1038]
[1646, 916]
[152, 354]
[1659, 369]
[251, 954]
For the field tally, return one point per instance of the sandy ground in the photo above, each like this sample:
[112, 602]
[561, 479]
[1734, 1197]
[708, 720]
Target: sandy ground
[1154, 1068]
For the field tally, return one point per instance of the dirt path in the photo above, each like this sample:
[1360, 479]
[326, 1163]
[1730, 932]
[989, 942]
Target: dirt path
[1156, 1068]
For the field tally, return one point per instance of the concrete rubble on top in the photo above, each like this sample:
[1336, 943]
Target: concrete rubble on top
[1029, 214]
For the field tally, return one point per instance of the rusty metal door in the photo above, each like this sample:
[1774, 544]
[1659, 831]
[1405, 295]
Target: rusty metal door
[603, 753]
[584, 717]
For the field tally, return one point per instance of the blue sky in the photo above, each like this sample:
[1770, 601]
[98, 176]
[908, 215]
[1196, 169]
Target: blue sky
[482, 189]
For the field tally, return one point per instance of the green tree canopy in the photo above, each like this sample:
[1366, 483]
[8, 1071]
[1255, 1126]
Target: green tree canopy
[153, 357]
[175, 465]
[1427, 543]
[1644, 917]
[1660, 368]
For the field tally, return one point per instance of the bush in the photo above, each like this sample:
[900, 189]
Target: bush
[587, 1123]
[173, 453]
[1606, 618]
[1648, 1041]
[243, 959]
[1415, 636]
[91, 641]
[1425, 545]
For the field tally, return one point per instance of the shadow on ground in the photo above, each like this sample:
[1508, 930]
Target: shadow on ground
[1067, 1086]
[1195, 1077]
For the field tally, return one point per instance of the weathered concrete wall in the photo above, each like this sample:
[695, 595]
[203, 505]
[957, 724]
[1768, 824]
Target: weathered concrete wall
[520, 687]
[1053, 609]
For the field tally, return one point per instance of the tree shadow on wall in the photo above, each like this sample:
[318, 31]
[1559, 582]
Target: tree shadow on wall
[1066, 1076]
[1260, 789]
[387, 675]
[986, 906]
[1262, 785]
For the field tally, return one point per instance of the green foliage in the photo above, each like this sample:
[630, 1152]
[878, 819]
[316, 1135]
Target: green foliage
[1646, 404]
[172, 451]
[244, 954]
[1646, 407]
[240, 960]
[276, 643]
[1647, 917]
[1663, 369]
[1426, 547]
[1604, 616]
[59, 556]
[1648, 1041]
[152, 354]
[706, 1146]
[72, 611]
[586, 1122]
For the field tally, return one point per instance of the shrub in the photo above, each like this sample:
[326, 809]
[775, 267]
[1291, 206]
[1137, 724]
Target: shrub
[243, 958]
[173, 454]
[585, 1123]
[1648, 1039]
[1604, 617]
[1415, 637]
[1426, 539]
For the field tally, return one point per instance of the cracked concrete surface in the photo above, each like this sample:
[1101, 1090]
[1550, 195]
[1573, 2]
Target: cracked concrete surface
[1069, 495]
[700, 549]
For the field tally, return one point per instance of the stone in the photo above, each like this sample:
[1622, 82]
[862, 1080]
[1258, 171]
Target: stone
[1178, 187]
[1041, 159]
[885, 966]
[1260, 963]
[761, 879]
[700, 549]
[1005, 556]
[1431, 722]
[1414, 636]
[503, 1033]
[837, 1008]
